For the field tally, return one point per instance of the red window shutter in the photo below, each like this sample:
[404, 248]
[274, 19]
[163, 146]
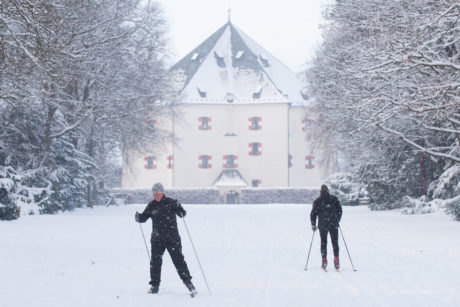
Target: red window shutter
[309, 164]
[170, 162]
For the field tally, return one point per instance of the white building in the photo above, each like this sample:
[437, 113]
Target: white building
[242, 123]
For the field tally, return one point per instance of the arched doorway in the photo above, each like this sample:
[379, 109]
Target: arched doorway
[232, 197]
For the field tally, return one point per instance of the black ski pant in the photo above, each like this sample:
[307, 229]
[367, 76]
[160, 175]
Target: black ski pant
[334, 232]
[175, 251]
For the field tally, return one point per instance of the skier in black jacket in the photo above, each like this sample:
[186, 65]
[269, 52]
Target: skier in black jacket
[329, 212]
[165, 235]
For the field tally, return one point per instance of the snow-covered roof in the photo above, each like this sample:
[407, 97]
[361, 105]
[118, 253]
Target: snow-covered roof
[229, 67]
[230, 178]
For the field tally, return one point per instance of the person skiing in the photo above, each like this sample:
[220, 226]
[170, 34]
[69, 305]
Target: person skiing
[165, 235]
[329, 212]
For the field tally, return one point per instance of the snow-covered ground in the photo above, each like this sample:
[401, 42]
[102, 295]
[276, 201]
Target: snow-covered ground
[251, 255]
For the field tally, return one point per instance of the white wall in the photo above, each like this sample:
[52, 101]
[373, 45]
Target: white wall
[301, 146]
[269, 167]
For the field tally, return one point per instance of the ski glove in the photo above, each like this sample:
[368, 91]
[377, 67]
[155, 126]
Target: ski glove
[313, 227]
[137, 217]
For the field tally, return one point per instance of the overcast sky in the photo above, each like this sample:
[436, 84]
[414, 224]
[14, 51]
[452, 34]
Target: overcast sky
[288, 29]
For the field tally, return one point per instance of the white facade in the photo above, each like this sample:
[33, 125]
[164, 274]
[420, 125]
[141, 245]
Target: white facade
[241, 110]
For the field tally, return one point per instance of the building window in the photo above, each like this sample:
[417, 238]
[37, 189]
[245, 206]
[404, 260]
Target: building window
[263, 60]
[290, 161]
[170, 162]
[306, 124]
[255, 123]
[230, 161]
[256, 182]
[151, 123]
[257, 93]
[255, 149]
[309, 164]
[219, 59]
[150, 162]
[201, 92]
[205, 161]
[204, 123]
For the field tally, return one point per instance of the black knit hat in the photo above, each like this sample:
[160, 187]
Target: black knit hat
[324, 189]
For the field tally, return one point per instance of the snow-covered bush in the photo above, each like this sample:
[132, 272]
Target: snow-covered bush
[443, 193]
[346, 189]
[8, 208]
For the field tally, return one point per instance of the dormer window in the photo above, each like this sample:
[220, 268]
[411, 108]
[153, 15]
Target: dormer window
[230, 98]
[257, 93]
[264, 60]
[239, 55]
[304, 95]
[219, 59]
[201, 92]
[194, 56]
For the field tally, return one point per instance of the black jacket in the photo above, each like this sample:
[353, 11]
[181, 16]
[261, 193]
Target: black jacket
[328, 210]
[163, 214]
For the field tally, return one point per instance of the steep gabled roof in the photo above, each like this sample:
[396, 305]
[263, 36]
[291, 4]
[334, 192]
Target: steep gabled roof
[229, 67]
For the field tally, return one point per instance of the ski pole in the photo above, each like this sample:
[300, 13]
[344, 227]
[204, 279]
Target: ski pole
[347, 248]
[145, 242]
[306, 265]
[196, 255]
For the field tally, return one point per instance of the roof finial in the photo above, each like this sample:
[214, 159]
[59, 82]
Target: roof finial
[229, 11]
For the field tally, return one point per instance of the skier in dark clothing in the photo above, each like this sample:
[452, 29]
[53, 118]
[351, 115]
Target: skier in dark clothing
[329, 212]
[165, 235]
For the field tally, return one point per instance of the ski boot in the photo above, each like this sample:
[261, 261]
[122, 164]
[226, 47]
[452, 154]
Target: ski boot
[154, 289]
[324, 264]
[191, 288]
[336, 263]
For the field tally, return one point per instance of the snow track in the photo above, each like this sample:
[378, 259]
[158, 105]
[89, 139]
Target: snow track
[252, 255]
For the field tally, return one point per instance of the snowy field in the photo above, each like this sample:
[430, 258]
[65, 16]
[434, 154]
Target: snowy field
[251, 255]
